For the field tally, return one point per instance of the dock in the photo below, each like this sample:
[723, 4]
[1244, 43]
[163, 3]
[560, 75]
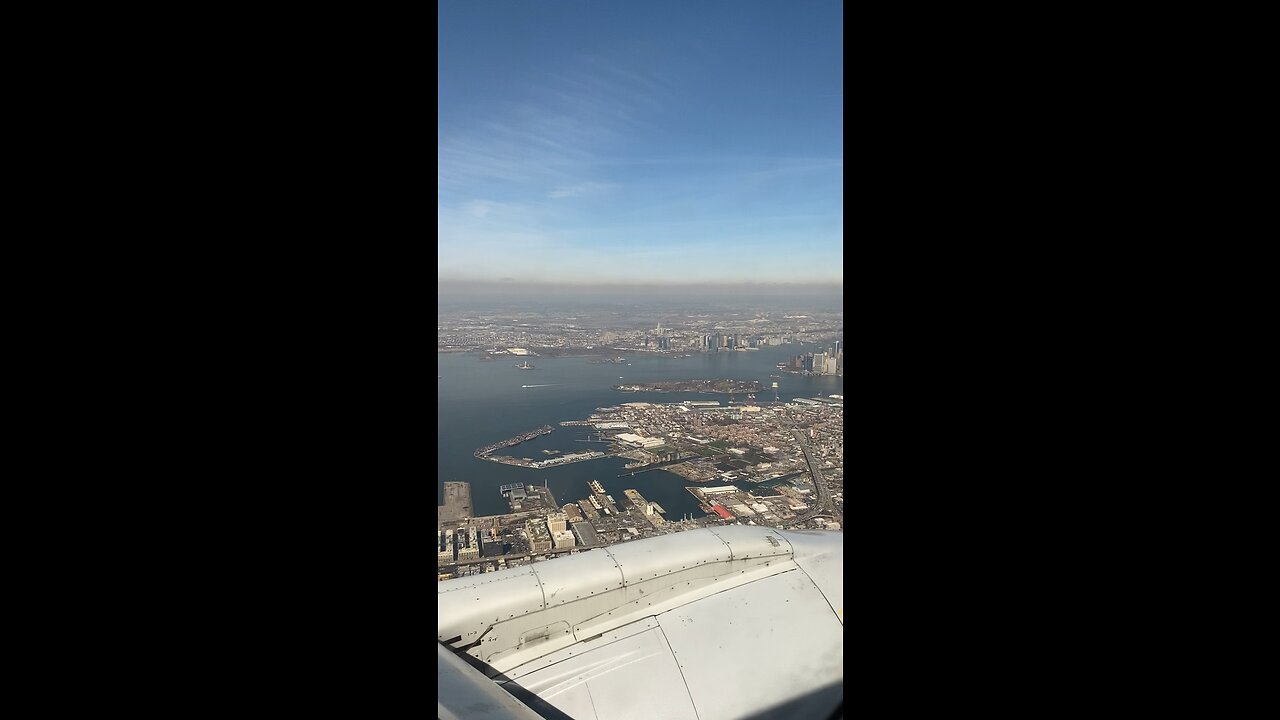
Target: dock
[457, 502]
[656, 465]
[483, 452]
[647, 509]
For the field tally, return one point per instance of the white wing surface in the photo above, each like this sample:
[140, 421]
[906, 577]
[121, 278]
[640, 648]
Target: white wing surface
[711, 624]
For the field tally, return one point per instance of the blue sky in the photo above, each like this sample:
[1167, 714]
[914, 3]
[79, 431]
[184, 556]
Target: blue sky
[646, 140]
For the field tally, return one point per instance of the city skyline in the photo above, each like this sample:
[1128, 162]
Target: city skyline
[640, 142]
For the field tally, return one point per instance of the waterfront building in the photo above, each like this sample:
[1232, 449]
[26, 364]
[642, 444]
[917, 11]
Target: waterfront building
[447, 547]
[563, 539]
[468, 543]
[539, 538]
[557, 522]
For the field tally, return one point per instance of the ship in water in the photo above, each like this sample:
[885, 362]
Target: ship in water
[526, 365]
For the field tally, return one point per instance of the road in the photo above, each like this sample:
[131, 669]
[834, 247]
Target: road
[825, 506]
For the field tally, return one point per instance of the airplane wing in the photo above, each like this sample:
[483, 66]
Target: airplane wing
[710, 624]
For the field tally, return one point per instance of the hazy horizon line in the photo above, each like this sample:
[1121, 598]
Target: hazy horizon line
[442, 284]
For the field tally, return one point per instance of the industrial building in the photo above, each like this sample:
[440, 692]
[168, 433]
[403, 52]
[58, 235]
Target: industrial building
[586, 533]
[468, 543]
[513, 491]
[493, 545]
[447, 546]
[539, 538]
[638, 441]
[562, 539]
[556, 522]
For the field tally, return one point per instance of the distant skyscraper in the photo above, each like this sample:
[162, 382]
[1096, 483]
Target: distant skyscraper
[820, 363]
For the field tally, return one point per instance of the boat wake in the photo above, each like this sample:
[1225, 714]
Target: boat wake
[546, 385]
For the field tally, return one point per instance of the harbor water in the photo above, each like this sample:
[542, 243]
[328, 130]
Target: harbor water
[481, 402]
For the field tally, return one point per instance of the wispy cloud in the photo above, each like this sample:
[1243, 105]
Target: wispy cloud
[529, 188]
[586, 188]
[557, 128]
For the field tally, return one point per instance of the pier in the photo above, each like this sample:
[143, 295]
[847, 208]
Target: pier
[457, 503]
[659, 464]
[483, 452]
[647, 509]
[539, 464]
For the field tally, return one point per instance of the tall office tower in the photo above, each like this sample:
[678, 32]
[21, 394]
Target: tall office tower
[820, 363]
[831, 365]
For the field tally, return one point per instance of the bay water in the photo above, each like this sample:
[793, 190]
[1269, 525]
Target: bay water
[482, 401]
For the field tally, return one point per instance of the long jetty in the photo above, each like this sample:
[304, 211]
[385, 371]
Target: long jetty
[484, 451]
[632, 470]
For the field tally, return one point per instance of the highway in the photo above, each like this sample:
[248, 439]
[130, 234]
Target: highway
[824, 506]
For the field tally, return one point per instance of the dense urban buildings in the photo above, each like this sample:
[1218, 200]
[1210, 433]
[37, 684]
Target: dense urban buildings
[784, 462]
